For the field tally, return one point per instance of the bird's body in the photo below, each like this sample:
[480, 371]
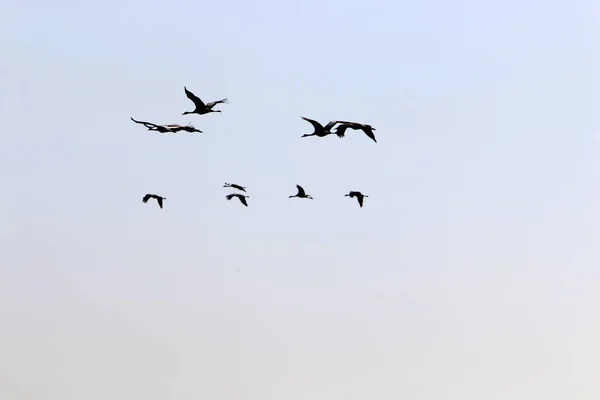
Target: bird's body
[301, 193]
[320, 130]
[171, 128]
[239, 196]
[359, 196]
[367, 129]
[159, 199]
[188, 128]
[233, 185]
[201, 107]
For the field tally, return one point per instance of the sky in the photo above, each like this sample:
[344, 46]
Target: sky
[472, 271]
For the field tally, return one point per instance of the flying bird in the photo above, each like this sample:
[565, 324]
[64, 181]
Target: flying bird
[151, 126]
[239, 196]
[188, 128]
[320, 130]
[359, 196]
[201, 108]
[367, 129]
[159, 199]
[172, 128]
[301, 193]
[233, 185]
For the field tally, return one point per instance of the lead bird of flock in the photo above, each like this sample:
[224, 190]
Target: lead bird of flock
[202, 108]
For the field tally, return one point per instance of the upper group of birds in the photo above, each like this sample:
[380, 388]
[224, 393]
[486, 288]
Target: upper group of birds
[202, 108]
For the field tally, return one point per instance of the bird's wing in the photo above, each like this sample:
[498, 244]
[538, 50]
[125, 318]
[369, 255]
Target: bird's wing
[341, 130]
[238, 187]
[349, 123]
[369, 132]
[314, 123]
[146, 198]
[301, 191]
[330, 125]
[199, 103]
[214, 103]
[229, 196]
[360, 200]
[243, 200]
[159, 200]
[148, 125]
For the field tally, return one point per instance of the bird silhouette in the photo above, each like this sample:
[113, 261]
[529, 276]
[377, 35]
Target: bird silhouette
[201, 108]
[239, 196]
[159, 199]
[320, 130]
[188, 128]
[359, 196]
[367, 129]
[172, 128]
[301, 193]
[233, 185]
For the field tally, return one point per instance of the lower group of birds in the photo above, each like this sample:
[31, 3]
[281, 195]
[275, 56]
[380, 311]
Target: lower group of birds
[242, 197]
[202, 108]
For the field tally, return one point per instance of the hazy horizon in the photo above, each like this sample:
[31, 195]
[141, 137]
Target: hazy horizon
[470, 273]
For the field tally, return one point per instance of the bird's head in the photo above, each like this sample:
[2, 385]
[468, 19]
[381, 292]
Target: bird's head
[346, 195]
[308, 196]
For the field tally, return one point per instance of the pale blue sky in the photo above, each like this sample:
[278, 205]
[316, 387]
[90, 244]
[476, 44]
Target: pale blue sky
[472, 272]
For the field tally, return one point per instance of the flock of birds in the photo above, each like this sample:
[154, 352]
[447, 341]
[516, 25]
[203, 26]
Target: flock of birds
[202, 108]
